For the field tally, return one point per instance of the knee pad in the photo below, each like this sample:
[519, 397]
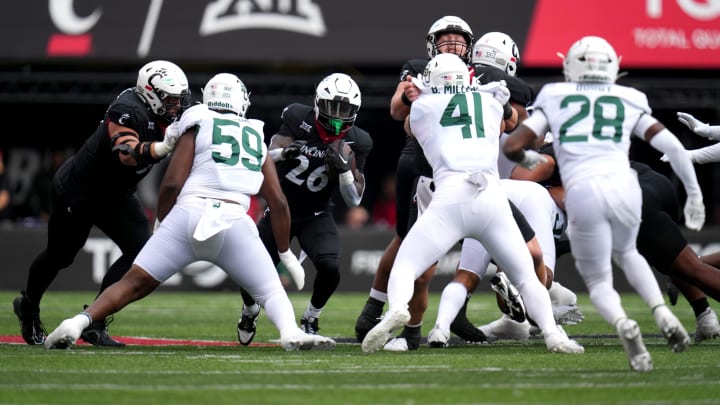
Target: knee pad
[328, 264]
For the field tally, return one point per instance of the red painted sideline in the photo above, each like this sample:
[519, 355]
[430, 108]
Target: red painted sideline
[143, 341]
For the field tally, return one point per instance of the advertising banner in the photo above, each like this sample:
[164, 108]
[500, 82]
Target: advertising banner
[647, 33]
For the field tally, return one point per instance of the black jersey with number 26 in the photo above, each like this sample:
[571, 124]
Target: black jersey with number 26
[305, 179]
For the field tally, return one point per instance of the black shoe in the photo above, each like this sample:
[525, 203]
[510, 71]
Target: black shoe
[514, 307]
[412, 335]
[310, 325]
[31, 327]
[97, 334]
[464, 329]
[246, 328]
[370, 316]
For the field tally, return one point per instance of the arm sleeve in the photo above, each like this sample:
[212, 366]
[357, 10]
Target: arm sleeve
[349, 190]
[667, 143]
[708, 154]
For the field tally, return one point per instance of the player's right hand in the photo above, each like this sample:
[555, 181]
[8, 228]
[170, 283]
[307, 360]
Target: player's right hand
[532, 159]
[293, 266]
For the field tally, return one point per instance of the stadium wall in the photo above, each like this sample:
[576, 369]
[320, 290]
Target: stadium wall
[361, 252]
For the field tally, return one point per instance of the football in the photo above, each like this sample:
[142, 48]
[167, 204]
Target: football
[347, 154]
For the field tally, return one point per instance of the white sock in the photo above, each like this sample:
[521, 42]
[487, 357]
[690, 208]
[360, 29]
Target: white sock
[251, 310]
[452, 299]
[378, 295]
[312, 312]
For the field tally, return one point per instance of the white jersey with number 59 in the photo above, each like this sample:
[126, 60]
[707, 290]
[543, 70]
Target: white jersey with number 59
[458, 132]
[591, 124]
[229, 153]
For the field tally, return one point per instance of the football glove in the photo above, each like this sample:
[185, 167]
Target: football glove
[293, 266]
[694, 213]
[334, 158]
[700, 128]
[292, 150]
[532, 159]
[498, 89]
[172, 133]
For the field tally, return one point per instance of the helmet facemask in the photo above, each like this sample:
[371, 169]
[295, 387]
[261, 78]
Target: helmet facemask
[337, 102]
[454, 25]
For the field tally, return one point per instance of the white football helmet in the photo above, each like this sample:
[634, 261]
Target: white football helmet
[449, 23]
[158, 83]
[591, 59]
[446, 73]
[337, 102]
[497, 49]
[225, 91]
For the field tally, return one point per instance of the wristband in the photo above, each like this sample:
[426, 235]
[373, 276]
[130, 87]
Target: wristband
[405, 100]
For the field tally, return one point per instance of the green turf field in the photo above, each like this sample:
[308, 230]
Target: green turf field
[504, 372]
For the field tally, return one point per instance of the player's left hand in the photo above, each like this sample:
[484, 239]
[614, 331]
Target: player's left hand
[335, 157]
[694, 213]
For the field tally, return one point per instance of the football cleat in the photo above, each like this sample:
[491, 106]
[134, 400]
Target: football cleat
[97, 333]
[567, 314]
[463, 328]
[31, 327]
[507, 292]
[707, 326]
[409, 339]
[310, 325]
[638, 356]
[65, 335]
[676, 335]
[506, 328]
[299, 340]
[381, 333]
[246, 327]
[368, 318]
[438, 338]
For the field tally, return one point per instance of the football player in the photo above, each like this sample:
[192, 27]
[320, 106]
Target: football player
[318, 150]
[458, 129]
[448, 34]
[591, 119]
[219, 162]
[96, 187]
[496, 57]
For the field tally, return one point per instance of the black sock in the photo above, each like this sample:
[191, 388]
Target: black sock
[699, 306]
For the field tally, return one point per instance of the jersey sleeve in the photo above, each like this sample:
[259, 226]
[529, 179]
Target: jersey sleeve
[126, 115]
[293, 121]
[361, 146]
